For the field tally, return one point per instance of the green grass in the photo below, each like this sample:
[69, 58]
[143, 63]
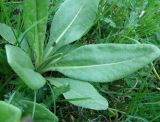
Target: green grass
[135, 98]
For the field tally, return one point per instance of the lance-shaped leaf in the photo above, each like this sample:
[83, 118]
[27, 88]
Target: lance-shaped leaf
[22, 65]
[82, 94]
[41, 114]
[7, 33]
[73, 19]
[106, 62]
[9, 113]
[34, 11]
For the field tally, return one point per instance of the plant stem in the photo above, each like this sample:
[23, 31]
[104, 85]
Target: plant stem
[34, 106]
[11, 98]
[155, 71]
[53, 97]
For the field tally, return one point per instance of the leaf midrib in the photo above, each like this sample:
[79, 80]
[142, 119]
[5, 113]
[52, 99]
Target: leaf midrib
[69, 25]
[37, 41]
[90, 66]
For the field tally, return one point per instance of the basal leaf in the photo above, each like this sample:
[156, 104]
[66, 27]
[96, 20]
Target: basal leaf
[7, 33]
[9, 113]
[22, 65]
[34, 11]
[85, 92]
[105, 62]
[73, 19]
[42, 114]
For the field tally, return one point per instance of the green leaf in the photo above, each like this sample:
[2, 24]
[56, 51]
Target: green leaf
[9, 113]
[34, 11]
[89, 96]
[7, 33]
[61, 89]
[22, 65]
[106, 62]
[73, 19]
[5, 68]
[41, 114]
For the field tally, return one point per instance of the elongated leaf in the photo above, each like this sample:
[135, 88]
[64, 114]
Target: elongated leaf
[89, 96]
[7, 33]
[42, 114]
[34, 11]
[106, 62]
[9, 113]
[72, 21]
[22, 65]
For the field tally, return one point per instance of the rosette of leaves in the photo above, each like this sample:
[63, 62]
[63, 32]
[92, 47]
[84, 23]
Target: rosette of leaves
[32, 54]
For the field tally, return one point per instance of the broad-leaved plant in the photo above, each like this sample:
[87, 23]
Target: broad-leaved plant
[31, 55]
